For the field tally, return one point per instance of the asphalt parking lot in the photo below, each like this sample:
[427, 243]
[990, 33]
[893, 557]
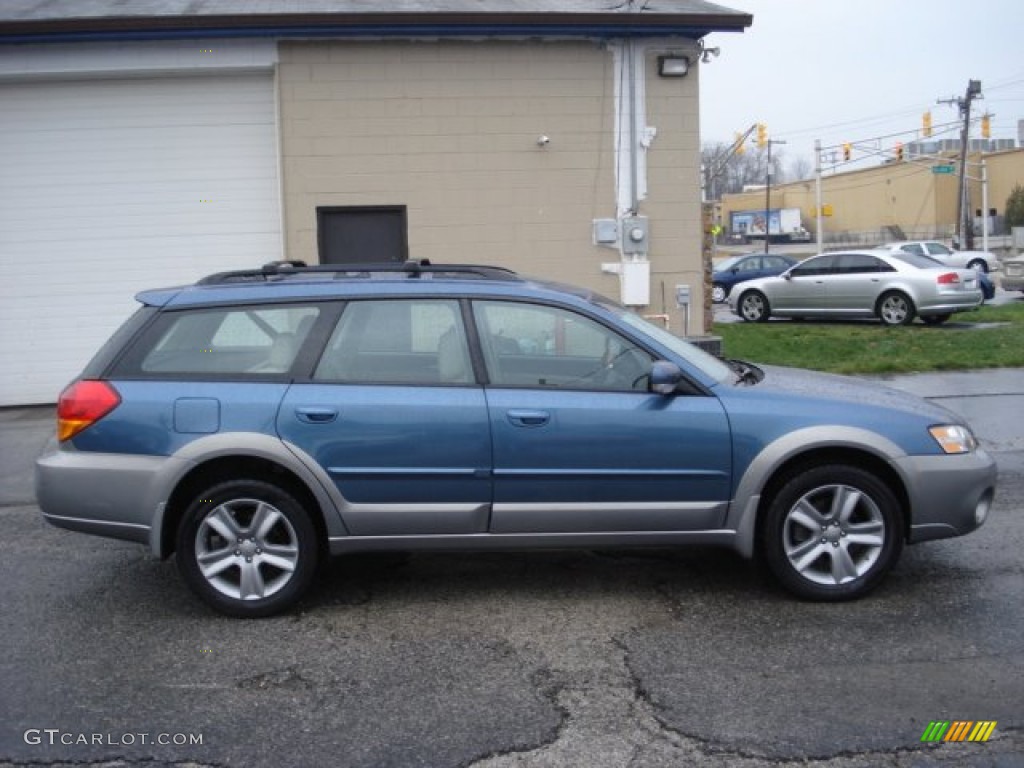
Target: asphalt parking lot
[652, 658]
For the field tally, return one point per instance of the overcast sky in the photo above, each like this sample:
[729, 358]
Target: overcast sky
[857, 71]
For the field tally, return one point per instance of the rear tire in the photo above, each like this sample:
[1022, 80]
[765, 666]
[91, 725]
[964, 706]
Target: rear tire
[978, 265]
[831, 533]
[754, 307]
[895, 308]
[247, 548]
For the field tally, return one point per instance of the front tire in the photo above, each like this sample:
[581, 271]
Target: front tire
[832, 533]
[247, 548]
[895, 308]
[754, 307]
[719, 293]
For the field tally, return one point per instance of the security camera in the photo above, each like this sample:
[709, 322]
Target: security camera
[543, 141]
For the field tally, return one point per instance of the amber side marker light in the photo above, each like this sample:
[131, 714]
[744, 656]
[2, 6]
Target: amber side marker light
[82, 405]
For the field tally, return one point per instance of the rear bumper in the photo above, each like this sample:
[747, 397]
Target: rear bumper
[950, 495]
[111, 495]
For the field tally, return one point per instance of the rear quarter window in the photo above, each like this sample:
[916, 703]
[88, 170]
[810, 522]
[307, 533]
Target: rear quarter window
[223, 341]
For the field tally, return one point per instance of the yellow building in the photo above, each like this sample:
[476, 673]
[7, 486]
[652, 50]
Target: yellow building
[889, 202]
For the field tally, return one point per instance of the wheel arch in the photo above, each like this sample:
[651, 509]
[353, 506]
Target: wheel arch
[236, 467]
[804, 449]
[228, 456]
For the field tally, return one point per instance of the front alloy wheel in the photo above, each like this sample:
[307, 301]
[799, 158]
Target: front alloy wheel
[832, 533]
[247, 548]
[718, 293]
[754, 307]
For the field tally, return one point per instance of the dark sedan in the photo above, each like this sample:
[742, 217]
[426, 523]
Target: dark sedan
[748, 266]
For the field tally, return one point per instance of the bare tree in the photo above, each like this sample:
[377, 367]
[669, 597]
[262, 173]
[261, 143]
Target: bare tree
[726, 173]
[800, 168]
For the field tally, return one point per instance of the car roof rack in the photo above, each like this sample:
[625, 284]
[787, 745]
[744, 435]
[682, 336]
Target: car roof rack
[277, 270]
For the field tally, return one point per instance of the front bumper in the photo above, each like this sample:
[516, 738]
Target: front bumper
[950, 494]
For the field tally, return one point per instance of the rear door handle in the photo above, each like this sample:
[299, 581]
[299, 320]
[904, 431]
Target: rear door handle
[312, 415]
[528, 418]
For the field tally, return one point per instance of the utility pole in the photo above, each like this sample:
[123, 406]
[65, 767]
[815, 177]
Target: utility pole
[768, 194]
[819, 216]
[965, 232]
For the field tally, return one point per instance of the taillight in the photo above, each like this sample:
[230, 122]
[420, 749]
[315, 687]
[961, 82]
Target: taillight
[83, 404]
[950, 278]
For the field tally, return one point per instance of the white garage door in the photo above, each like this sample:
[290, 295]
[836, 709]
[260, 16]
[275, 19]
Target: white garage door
[108, 187]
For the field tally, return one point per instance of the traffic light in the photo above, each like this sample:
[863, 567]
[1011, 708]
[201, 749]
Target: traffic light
[847, 151]
[762, 135]
[986, 127]
[926, 124]
[740, 142]
[899, 151]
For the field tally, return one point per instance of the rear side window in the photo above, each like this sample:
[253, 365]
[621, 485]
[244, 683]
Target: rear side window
[223, 341]
[398, 341]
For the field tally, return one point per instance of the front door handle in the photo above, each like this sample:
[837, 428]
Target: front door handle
[528, 418]
[313, 415]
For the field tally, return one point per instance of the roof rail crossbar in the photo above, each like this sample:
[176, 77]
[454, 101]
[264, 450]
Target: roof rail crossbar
[411, 268]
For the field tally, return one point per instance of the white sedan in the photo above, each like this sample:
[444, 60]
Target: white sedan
[894, 287]
[982, 261]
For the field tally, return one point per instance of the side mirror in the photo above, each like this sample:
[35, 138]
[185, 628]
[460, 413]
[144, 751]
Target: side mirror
[665, 377]
[786, 276]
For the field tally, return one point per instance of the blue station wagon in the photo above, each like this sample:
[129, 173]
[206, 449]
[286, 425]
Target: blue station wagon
[259, 421]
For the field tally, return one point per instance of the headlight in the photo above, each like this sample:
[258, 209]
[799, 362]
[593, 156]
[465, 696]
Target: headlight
[954, 438]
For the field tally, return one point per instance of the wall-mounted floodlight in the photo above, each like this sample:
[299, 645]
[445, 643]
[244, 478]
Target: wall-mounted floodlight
[673, 66]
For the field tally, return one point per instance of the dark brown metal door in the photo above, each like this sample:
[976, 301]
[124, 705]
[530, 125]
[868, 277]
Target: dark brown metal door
[362, 234]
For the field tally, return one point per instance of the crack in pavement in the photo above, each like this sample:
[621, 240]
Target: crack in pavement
[609, 720]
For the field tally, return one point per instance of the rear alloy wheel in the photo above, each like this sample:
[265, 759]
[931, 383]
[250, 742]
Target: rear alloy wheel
[978, 265]
[934, 319]
[718, 293]
[895, 308]
[754, 307]
[832, 533]
[247, 548]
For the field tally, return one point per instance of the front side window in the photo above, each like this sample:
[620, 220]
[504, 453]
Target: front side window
[532, 345]
[398, 341]
[915, 248]
[228, 341]
[938, 249]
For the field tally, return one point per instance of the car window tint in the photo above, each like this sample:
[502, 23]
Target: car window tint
[773, 262]
[857, 264]
[398, 341]
[236, 340]
[531, 345]
[818, 265]
[750, 265]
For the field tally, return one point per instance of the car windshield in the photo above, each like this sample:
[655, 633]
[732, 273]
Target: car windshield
[692, 354]
[727, 264]
[916, 260]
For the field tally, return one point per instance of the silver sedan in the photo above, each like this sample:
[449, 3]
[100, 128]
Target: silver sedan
[894, 287]
[982, 261]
